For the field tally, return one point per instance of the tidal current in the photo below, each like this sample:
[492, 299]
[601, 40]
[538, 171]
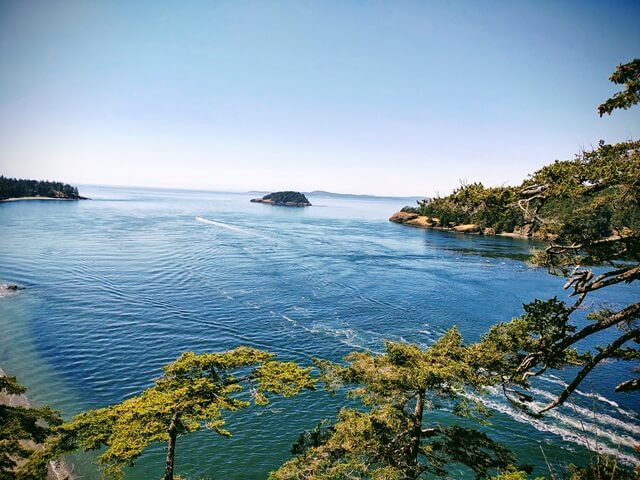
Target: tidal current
[121, 284]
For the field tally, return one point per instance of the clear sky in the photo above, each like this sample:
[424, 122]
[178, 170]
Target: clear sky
[392, 97]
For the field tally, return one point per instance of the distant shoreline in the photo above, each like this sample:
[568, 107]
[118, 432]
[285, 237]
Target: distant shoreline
[19, 199]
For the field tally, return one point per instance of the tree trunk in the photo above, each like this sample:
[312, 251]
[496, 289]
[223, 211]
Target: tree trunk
[416, 437]
[171, 446]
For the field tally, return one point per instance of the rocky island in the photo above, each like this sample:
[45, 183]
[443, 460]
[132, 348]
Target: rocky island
[22, 189]
[285, 199]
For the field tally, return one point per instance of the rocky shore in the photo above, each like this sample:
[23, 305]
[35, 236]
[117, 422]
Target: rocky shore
[9, 289]
[432, 223]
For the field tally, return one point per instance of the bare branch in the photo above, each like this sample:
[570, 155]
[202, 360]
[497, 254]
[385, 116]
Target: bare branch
[605, 353]
[627, 314]
[626, 275]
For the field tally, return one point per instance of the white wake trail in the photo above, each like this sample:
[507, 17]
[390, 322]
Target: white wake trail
[567, 428]
[234, 228]
[221, 225]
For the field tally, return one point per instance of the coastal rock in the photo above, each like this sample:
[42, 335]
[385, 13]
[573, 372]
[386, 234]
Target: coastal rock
[420, 221]
[402, 217]
[6, 289]
[413, 220]
[466, 228]
[284, 199]
[523, 230]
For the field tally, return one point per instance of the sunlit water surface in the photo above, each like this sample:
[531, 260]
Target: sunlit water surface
[120, 285]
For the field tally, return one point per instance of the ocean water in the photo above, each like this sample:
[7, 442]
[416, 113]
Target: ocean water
[119, 285]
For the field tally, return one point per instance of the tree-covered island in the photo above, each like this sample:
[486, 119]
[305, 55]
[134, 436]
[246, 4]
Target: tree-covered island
[285, 199]
[20, 188]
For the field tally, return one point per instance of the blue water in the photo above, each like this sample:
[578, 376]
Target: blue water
[120, 285]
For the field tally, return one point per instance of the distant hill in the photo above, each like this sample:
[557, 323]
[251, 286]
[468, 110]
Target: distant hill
[287, 199]
[23, 188]
[323, 193]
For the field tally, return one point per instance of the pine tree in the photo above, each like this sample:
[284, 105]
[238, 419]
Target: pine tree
[387, 438]
[193, 392]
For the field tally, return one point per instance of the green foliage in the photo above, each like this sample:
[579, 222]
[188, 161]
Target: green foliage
[474, 203]
[592, 196]
[315, 437]
[627, 74]
[286, 197]
[10, 386]
[603, 467]
[588, 200]
[416, 210]
[387, 440]
[590, 209]
[194, 392]
[15, 188]
[544, 326]
[18, 425]
[513, 473]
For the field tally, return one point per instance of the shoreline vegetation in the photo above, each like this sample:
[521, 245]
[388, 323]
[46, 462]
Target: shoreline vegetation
[21, 199]
[553, 196]
[412, 411]
[433, 223]
[284, 199]
[57, 469]
[19, 189]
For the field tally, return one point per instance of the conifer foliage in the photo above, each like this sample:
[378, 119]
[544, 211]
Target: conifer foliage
[21, 428]
[590, 209]
[387, 439]
[193, 392]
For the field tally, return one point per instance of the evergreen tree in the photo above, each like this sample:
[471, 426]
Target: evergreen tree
[600, 225]
[20, 425]
[193, 392]
[628, 75]
[388, 438]
[16, 188]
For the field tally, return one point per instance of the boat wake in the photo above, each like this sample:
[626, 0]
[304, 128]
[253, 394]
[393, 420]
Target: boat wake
[227, 226]
[590, 420]
[592, 428]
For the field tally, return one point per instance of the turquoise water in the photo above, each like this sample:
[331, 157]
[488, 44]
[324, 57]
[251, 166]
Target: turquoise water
[120, 285]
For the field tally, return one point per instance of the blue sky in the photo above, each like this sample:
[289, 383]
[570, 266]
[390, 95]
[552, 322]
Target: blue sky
[365, 97]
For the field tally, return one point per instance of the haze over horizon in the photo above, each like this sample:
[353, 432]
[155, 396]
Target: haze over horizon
[393, 99]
